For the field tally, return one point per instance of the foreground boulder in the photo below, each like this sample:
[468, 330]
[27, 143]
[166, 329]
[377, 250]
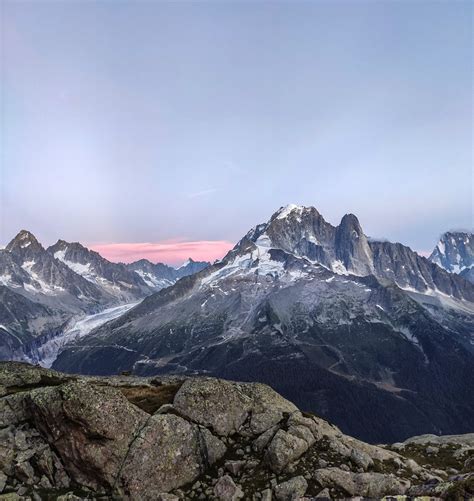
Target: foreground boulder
[371, 485]
[71, 438]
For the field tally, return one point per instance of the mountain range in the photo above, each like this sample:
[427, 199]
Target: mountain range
[353, 329]
[45, 291]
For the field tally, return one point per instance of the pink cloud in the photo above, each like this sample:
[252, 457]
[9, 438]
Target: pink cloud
[170, 252]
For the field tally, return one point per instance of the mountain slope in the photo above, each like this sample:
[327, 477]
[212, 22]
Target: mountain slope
[114, 278]
[455, 253]
[351, 329]
[24, 322]
[27, 268]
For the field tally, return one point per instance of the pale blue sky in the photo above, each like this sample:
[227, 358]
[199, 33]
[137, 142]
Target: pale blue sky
[127, 121]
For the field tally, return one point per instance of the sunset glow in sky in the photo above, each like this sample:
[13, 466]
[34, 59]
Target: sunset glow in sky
[185, 124]
[174, 253]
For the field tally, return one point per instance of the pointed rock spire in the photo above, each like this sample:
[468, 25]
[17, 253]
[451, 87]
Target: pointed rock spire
[352, 247]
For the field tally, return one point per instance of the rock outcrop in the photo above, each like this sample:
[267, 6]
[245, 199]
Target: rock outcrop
[72, 437]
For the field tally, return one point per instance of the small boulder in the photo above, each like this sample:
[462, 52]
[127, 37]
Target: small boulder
[283, 449]
[263, 440]
[226, 490]
[266, 495]
[234, 467]
[413, 466]
[324, 494]
[292, 489]
[361, 459]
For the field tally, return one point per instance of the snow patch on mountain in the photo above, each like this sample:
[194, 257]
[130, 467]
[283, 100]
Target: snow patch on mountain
[40, 285]
[289, 209]
[79, 268]
[78, 328]
[152, 281]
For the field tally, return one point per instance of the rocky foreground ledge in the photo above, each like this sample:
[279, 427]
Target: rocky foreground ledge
[69, 438]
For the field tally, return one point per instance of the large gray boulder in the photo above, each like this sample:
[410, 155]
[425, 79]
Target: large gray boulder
[214, 403]
[91, 427]
[106, 442]
[224, 406]
[167, 453]
[372, 485]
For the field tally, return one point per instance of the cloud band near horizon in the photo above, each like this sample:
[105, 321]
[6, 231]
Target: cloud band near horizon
[169, 252]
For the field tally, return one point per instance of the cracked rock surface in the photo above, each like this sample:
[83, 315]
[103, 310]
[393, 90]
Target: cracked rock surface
[72, 438]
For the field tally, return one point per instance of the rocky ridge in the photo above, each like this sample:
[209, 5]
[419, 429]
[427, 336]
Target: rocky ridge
[159, 275]
[114, 278]
[66, 437]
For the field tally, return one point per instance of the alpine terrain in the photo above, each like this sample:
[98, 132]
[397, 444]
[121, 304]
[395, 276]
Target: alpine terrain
[50, 296]
[354, 330]
[73, 438]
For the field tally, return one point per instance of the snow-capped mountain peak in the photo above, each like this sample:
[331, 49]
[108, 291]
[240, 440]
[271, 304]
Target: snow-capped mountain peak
[296, 239]
[24, 241]
[293, 209]
[455, 253]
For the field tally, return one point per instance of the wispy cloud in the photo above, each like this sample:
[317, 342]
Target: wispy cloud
[202, 193]
[171, 251]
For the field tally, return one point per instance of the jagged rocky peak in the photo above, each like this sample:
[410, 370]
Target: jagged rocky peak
[455, 253]
[187, 262]
[63, 245]
[73, 251]
[190, 267]
[176, 438]
[352, 246]
[303, 232]
[24, 242]
[292, 211]
[298, 230]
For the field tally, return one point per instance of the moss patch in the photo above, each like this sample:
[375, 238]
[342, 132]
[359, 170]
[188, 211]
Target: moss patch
[441, 460]
[461, 491]
[150, 398]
